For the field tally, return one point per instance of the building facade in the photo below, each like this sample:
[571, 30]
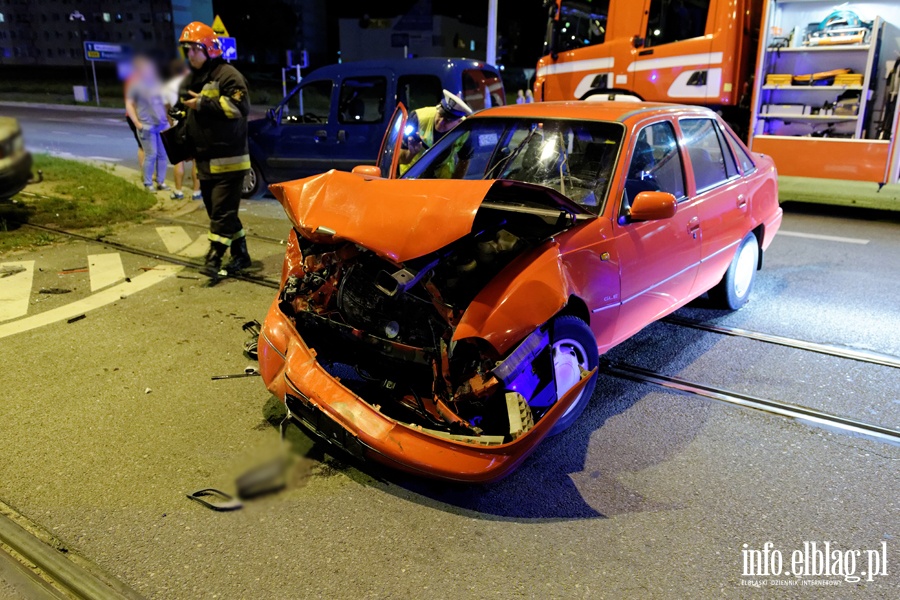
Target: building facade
[53, 32]
[399, 37]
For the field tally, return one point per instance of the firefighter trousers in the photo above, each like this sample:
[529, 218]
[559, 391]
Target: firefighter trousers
[222, 198]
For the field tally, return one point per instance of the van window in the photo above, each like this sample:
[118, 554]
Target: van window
[675, 20]
[362, 100]
[482, 89]
[705, 150]
[416, 91]
[311, 103]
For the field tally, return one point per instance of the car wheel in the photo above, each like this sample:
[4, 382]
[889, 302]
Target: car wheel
[252, 182]
[734, 289]
[573, 348]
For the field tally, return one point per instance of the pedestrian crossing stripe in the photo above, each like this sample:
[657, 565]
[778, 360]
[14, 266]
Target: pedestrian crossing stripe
[105, 270]
[15, 288]
[177, 241]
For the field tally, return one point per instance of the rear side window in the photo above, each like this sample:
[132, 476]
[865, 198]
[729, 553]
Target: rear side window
[482, 89]
[417, 91]
[730, 164]
[362, 100]
[311, 104]
[743, 157]
[701, 139]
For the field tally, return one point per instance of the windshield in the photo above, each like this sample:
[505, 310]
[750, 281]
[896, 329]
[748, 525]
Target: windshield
[580, 24]
[575, 158]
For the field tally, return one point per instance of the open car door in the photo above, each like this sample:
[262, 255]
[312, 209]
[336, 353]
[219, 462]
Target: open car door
[389, 154]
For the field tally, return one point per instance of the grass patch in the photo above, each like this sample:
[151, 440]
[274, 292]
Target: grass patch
[73, 195]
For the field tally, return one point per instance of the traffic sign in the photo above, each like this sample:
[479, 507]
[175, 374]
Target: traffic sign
[219, 27]
[106, 51]
[229, 47]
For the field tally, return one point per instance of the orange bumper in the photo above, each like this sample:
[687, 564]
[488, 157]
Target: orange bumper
[320, 402]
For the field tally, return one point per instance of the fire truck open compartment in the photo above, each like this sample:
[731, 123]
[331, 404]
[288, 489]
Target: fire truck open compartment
[824, 99]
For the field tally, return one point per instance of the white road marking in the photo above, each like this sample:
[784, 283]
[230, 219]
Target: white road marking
[197, 248]
[96, 300]
[15, 290]
[175, 238]
[827, 238]
[106, 269]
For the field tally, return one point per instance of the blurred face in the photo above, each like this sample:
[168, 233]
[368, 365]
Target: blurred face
[444, 122]
[195, 54]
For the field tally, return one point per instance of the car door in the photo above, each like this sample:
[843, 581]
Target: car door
[658, 259]
[361, 117]
[719, 194]
[673, 56]
[304, 137]
[388, 157]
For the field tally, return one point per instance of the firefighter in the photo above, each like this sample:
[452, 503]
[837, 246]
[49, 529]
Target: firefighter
[428, 125]
[215, 97]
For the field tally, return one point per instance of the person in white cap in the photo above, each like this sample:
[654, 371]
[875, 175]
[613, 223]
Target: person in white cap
[427, 125]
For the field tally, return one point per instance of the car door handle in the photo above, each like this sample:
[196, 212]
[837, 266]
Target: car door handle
[321, 135]
[694, 227]
[341, 136]
[645, 52]
[741, 201]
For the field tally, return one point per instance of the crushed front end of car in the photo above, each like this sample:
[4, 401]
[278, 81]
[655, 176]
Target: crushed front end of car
[370, 342]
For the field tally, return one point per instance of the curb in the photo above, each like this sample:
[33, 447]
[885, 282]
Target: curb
[68, 107]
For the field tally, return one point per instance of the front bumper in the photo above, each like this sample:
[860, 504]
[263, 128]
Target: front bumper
[322, 404]
[15, 172]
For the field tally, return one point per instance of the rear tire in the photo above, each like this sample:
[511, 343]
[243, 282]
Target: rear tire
[573, 348]
[733, 291]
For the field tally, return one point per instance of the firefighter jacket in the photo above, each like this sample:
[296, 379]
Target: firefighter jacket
[217, 128]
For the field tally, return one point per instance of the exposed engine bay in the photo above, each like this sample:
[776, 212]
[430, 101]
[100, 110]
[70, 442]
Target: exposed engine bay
[385, 329]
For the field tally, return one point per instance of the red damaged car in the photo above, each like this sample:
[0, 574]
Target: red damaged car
[445, 327]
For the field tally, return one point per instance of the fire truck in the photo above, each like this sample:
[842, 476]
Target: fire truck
[685, 51]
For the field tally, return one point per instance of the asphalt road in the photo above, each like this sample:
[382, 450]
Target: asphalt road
[97, 133]
[108, 421]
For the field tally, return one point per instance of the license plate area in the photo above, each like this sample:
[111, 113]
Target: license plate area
[306, 412]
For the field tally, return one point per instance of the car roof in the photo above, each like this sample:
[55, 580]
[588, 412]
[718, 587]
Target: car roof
[401, 66]
[595, 111]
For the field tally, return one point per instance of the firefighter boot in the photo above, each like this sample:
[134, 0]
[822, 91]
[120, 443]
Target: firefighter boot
[213, 261]
[240, 257]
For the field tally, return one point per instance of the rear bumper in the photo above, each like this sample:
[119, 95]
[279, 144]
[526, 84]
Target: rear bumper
[14, 175]
[291, 372]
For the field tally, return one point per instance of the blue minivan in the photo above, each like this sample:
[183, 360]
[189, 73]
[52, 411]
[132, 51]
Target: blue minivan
[336, 117]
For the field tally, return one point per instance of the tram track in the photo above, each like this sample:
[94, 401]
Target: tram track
[639, 374]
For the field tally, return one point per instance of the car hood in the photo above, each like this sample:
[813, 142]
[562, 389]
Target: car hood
[397, 219]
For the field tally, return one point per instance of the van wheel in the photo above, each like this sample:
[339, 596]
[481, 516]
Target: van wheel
[573, 349]
[252, 181]
[734, 290]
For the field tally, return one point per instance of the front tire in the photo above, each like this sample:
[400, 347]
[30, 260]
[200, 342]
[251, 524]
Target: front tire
[252, 182]
[733, 291]
[573, 349]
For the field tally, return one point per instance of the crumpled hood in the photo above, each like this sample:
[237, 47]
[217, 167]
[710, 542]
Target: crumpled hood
[397, 219]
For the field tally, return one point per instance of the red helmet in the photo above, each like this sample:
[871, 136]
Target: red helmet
[202, 34]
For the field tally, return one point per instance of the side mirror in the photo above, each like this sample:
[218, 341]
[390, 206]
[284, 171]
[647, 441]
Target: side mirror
[652, 206]
[367, 170]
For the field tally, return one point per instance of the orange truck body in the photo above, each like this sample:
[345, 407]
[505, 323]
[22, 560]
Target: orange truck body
[711, 69]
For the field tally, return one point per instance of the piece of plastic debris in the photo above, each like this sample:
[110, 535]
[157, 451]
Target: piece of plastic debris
[9, 271]
[147, 390]
[54, 290]
[78, 318]
[215, 499]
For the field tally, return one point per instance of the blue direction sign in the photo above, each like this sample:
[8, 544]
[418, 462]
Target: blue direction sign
[229, 47]
[106, 51]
